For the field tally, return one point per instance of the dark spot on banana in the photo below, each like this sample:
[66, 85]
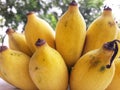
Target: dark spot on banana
[94, 61]
[15, 54]
[102, 68]
[92, 57]
[11, 54]
[36, 68]
[66, 24]
[43, 59]
[111, 23]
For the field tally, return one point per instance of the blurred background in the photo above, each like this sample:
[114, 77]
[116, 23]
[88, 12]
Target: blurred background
[13, 12]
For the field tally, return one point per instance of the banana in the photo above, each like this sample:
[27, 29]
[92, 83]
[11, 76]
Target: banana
[101, 30]
[47, 68]
[114, 85]
[38, 28]
[95, 69]
[70, 34]
[17, 41]
[14, 67]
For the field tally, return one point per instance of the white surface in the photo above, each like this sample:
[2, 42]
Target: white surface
[5, 86]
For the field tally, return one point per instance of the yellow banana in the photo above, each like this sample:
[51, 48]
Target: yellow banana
[14, 67]
[114, 85]
[38, 28]
[101, 30]
[47, 68]
[70, 34]
[95, 69]
[17, 41]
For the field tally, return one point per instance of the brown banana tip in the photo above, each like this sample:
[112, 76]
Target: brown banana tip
[29, 13]
[10, 30]
[2, 48]
[40, 42]
[107, 8]
[109, 45]
[73, 3]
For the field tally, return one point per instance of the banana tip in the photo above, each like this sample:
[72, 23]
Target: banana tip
[2, 48]
[73, 3]
[40, 42]
[9, 30]
[29, 13]
[107, 8]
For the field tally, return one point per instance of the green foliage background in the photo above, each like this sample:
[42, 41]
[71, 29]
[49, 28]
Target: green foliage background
[14, 11]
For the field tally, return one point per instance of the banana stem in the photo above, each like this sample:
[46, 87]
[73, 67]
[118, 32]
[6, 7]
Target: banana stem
[112, 46]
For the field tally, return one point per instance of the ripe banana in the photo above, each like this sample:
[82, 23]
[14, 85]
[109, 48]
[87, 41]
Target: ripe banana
[114, 85]
[70, 34]
[93, 71]
[14, 67]
[17, 41]
[101, 30]
[47, 68]
[38, 28]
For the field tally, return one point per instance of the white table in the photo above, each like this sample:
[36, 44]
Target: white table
[5, 86]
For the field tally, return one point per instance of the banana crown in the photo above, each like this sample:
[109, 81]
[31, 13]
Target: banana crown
[31, 14]
[73, 3]
[73, 6]
[40, 42]
[9, 31]
[2, 48]
[107, 11]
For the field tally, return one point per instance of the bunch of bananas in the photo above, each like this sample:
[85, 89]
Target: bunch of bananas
[69, 57]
